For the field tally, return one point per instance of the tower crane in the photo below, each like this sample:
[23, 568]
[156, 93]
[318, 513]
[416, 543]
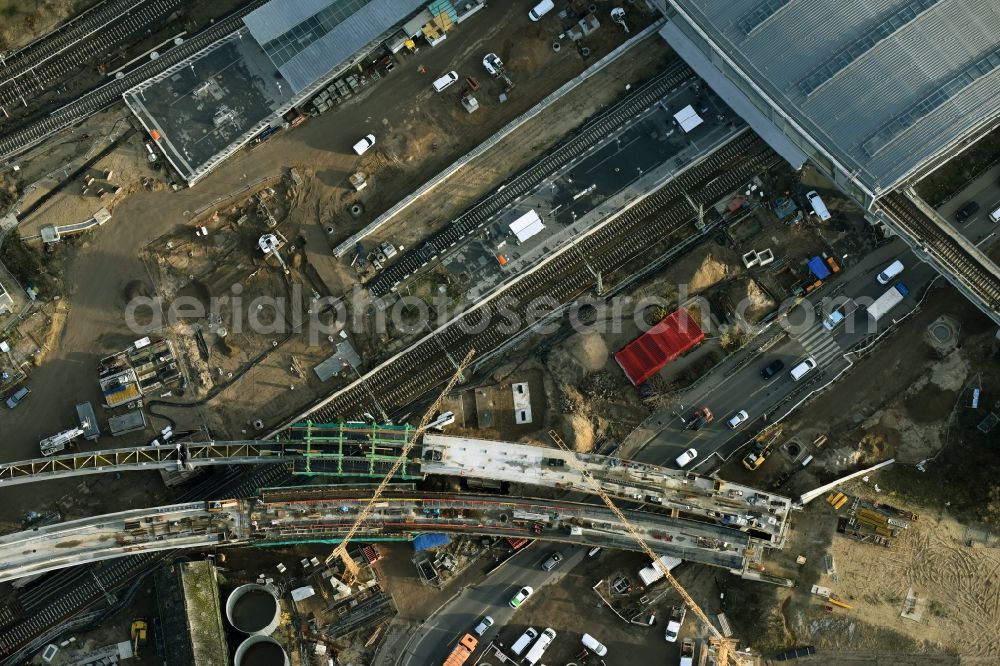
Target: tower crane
[725, 648]
[350, 567]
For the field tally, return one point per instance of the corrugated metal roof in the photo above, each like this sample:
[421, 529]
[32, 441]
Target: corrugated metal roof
[308, 38]
[676, 334]
[845, 70]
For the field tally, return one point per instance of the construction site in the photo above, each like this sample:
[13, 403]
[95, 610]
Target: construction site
[399, 333]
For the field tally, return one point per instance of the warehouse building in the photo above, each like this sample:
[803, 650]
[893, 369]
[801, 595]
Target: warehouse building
[875, 93]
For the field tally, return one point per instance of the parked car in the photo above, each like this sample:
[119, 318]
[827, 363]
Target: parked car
[541, 9]
[738, 418]
[965, 213]
[444, 81]
[521, 596]
[686, 457]
[362, 146]
[17, 396]
[552, 561]
[483, 625]
[772, 369]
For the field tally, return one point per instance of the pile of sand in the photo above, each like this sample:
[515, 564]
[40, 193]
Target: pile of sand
[709, 273]
[581, 431]
[589, 349]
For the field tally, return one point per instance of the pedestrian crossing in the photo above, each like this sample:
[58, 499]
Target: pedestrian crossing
[819, 343]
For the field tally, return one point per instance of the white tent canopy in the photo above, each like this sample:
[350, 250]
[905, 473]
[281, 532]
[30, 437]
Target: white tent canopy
[526, 226]
[688, 118]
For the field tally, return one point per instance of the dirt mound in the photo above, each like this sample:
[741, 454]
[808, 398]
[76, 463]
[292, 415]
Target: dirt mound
[754, 300]
[708, 268]
[582, 432]
[589, 349]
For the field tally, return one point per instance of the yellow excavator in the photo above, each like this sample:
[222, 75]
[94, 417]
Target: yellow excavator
[140, 630]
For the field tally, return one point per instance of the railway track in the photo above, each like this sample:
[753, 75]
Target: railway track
[69, 592]
[966, 267]
[409, 375]
[483, 211]
[64, 36]
[37, 131]
[29, 76]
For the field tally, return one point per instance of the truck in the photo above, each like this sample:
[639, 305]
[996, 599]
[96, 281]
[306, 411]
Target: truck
[887, 301]
[675, 623]
[687, 652]
[462, 651]
[58, 442]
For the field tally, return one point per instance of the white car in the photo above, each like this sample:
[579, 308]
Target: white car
[362, 146]
[738, 418]
[521, 596]
[444, 81]
[485, 624]
[686, 457]
[493, 64]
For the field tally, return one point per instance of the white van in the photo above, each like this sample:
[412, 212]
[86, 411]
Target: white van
[541, 9]
[524, 641]
[803, 368]
[818, 206]
[890, 271]
[538, 649]
[361, 146]
[995, 216]
[594, 645]
[444, 81]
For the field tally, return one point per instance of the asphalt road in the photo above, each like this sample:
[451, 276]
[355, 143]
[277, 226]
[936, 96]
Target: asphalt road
[441, 631]
[985, 191]
[728, 390]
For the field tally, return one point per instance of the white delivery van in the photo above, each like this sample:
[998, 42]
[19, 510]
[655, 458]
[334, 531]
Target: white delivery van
[522, 643]
[817, 205]
[541, 9]
[995, 216]
[538, 649]
[444, 81]
[594, 645]
[803, 368]
[890, 271]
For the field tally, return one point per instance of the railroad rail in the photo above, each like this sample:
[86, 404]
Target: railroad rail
[62, 36]
[28, 76]
[34, 132]
[486, 327]
[344, 451]
[44, 608]
[961, 263]
[525, 182]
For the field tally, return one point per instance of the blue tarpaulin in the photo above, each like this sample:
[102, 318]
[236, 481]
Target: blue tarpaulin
[428, 541]
[818, 268]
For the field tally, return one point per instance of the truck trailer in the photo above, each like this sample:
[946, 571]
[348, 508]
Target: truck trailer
[887, 301]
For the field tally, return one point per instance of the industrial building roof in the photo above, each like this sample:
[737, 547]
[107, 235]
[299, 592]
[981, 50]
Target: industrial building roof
[883, 85]
[308, 38]
[646, 355]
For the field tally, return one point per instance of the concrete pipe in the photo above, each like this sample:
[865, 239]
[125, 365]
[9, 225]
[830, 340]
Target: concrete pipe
[260, 651]
[253, 609]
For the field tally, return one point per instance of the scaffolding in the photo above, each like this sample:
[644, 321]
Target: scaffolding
[351, 449]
